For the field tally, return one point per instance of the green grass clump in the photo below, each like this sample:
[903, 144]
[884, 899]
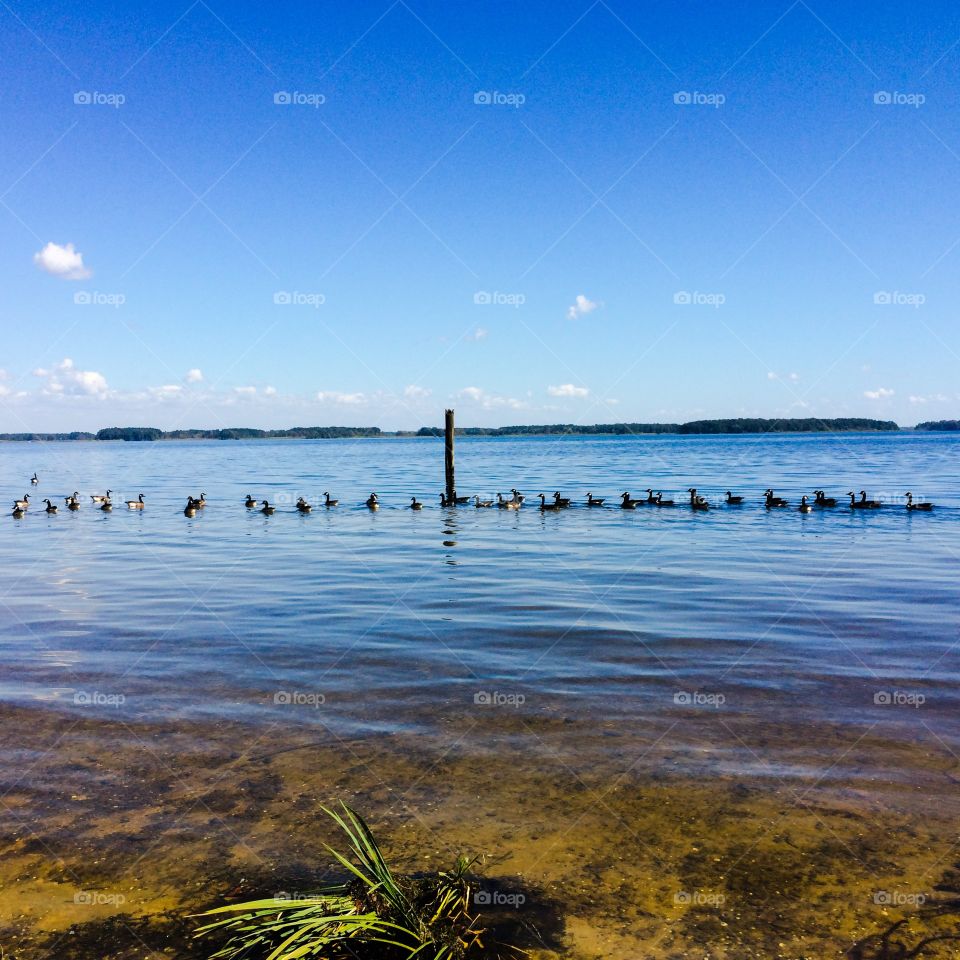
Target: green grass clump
[374, 914]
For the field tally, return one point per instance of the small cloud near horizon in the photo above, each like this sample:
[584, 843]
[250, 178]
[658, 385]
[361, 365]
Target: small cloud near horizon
[194, 375]
[568, 390]
[66, 379]
[580, 307]
[881, 393]
[415, 392]
[345, 399]
[64, 262]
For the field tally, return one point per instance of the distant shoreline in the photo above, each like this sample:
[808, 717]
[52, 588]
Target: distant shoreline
[717, 427]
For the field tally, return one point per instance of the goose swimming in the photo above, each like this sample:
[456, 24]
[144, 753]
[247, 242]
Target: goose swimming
[136, 504]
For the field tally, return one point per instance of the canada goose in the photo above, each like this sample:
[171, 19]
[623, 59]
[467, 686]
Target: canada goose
[545, 507]
[593, 501]
[17, 512]
[561, 501]
[443, 500]
[99, 498]
[34, 479]
[106, 506]
[917, 506]
[872, 504]
[507, 504]
[303, 506]
[770, 501]
[517, 495]
[136, 504]
[24, 503]
[804, 506]
[651, 497]
[328, 502]
[457, 501]
[51, 507]
[266, 509]
[697, 502]
[190, 510]
[863, 503]
[415, 504]
[73, 502]
[626, 503]
[820, 499]
[733, 501]
[249, 503]
[478, 503]
[373, 502]
[658, 501]
[202, 502]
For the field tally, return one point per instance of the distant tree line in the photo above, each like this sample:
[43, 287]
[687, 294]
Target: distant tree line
[737, 425]
[236, 433]
[74, 435]
[938, 425]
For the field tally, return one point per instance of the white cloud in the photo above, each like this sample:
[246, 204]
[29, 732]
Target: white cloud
[168, 390]
[64, 262]
[568, 390]
[194, 375]
[489, 401]
[771, 375]
[269, 391]
[580, 307]
[343, 399]
[479, 334]
[65, 378]
[414, 392]
[792, 377]
[245, 391]
[881, 393]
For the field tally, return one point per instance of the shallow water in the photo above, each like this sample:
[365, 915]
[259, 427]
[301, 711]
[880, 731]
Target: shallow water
[448, 668]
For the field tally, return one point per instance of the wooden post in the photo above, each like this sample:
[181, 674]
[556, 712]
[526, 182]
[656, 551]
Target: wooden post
[448, 456]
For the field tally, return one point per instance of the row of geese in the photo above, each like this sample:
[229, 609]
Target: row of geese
[514, 502]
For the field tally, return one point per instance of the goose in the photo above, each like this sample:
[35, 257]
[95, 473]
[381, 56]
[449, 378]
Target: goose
[507, 504]
[561, 501]
[266, 509]
[804, 506]
[733, 501]
[593, 501]
[459, 500]
[24, 503]
[303, 506]
[106, 506]
[872, 504]
[373, 502]
[73, 503]
[863, 503]
[697, 502]
[917, 506]
[415, 504]
[822, 500]
[249, 503]
[202, 502]
[99, 498]
[17, 512]
[478, 503]
[626, 503]
[136, 504]
[517, 495]
[770, 501]
[545, 507]
[446, 503]
[651, 498]
[190, 510]
[51, 507]
[328, 502]
[34, 479]
[658, 501]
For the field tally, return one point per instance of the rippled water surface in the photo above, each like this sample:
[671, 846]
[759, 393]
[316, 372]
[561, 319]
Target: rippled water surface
[738, 643]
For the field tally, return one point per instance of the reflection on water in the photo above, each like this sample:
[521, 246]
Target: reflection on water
[256, 665]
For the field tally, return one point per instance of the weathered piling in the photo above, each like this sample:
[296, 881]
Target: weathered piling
[448, 456]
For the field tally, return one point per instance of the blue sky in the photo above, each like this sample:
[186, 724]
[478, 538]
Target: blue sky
[656, 212]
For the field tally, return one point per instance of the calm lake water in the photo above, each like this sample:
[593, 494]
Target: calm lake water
[761, 645]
